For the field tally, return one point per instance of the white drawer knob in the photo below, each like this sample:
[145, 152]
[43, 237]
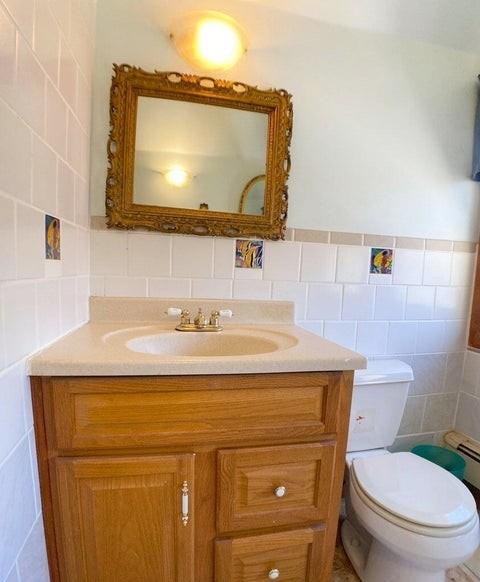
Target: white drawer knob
[274, 574]
[280, 491]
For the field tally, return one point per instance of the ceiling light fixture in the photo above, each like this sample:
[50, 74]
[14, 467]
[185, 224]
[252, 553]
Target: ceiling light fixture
[209, 40]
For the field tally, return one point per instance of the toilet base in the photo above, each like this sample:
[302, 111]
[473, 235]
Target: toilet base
[374, 562]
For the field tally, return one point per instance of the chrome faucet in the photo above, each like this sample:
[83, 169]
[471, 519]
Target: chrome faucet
[200, 322]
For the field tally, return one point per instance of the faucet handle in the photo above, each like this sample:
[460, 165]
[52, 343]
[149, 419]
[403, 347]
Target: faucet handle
[173, 311]
[225, 313]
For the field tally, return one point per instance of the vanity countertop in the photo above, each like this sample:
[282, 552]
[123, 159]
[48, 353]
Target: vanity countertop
[99, 348]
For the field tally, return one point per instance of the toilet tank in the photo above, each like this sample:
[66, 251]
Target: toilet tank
[379, 397]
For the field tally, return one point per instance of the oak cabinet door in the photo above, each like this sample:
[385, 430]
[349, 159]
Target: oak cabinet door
[125, 519]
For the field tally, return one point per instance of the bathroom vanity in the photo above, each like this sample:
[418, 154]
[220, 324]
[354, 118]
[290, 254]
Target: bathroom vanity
[185, 467]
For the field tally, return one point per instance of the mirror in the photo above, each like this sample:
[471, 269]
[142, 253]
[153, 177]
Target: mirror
[196, 155]
[203, 157]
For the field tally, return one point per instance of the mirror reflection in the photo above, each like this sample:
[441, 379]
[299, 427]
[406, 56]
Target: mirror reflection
[201, 157]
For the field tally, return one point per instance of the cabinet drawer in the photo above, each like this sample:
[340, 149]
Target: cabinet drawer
[290, 556]
[271, 486]
[114, 413]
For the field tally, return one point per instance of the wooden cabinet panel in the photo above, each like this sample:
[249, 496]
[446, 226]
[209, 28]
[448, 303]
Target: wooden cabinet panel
[120, 519]
[271, 486]
[289, 556]
[106, 413]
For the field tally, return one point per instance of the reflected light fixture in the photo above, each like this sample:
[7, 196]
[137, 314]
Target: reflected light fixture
[209, 40]
[177, 176]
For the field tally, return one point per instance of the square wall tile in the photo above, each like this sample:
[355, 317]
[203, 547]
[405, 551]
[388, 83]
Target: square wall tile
[245, 289]
[249, 255]
[408, 267]
[7, 239]
[46, 39]
[468, 414]
[68, 304]
[438, 266]
[44, 186]
[68, 74]
[452, 302]
[343, 333]
[192, 257]
[352, 264]
[30, 88]
[292, 291]
[12, 419]
[212, 288]
[372, 337]
[471, 373]
[30, 243]
[32, 561]
[430, 337]
[318, 262]
[316, 327]
[175, 288]
[7, 52]
[358, 302]
[390, 302]
[19, 320]
[412, 415]
[69, 249]
[22, 12]
[109, 253]
[15, 155]
[402, 337]
[148, 255]
[224, 258]
[429, 374]
[65, 192]
[454, 372]
[439, 412]
[324, 302]
[56, 121]
[455, 335]
[48, 310]
[125, 287]
[463, 268]
[420, 302]
[282, 261]
[17, 505]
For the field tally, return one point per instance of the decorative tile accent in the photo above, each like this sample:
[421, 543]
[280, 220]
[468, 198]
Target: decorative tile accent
[346, 238]
[52, 238]
[380, 241]
[249, 254]
[439, 245]
[305, 235]
[381, 261]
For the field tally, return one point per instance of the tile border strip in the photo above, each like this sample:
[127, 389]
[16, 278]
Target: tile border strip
[351, 238]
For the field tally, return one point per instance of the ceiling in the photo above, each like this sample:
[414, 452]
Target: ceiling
[451, 23]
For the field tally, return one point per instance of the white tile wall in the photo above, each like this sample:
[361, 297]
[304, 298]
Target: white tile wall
[419, 314]
[468, 413]
[39, 300]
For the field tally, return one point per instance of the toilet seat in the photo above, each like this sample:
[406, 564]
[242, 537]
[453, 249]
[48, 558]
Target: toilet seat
[414, 494]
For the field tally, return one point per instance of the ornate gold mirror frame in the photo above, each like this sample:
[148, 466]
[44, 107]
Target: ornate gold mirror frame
[130, 83]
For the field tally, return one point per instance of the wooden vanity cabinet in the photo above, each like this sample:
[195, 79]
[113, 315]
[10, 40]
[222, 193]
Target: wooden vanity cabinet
[191, 478]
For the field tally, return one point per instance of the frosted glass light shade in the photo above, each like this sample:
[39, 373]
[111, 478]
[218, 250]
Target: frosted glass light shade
[209, 40]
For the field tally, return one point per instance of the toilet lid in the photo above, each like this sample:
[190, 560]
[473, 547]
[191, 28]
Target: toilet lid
[415, 489]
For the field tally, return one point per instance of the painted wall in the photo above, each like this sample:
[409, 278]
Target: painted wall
[383, 126]
[45, 91]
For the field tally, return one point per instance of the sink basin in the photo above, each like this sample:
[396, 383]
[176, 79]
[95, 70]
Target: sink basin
[210, 345]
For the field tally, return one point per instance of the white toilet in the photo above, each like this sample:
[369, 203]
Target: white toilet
[408, 520]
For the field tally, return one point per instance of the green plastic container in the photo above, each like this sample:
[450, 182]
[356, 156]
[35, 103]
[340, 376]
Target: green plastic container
[446, 458]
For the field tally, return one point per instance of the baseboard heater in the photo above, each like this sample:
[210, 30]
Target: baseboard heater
[470, 451]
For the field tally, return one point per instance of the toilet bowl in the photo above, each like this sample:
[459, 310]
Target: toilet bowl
[408, 520]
